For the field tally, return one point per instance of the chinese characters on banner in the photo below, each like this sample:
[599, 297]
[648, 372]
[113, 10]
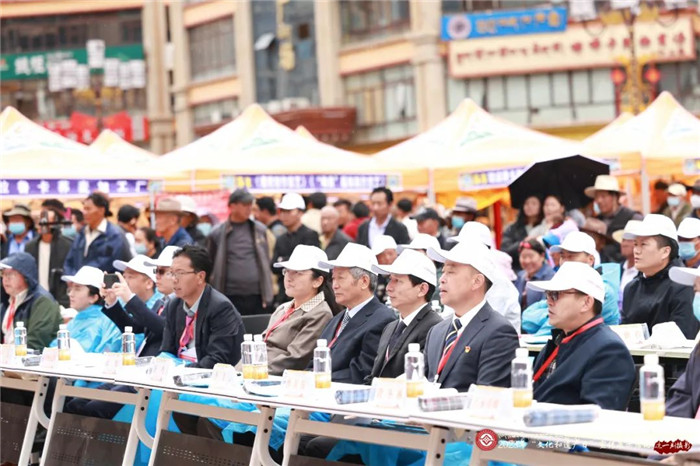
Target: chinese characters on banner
[573, 49]
[68, 188]
[503, 23]
[487, 179]
[83, 128]
[311, 183]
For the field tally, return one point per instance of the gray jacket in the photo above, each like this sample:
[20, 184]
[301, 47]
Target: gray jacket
[217, 246]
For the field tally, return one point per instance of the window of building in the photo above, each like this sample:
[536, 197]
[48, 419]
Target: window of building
[462, 6]
[212, 50]
[211, 115]
[682, 79]
[366, 19]
[385, 101]
[544, 99]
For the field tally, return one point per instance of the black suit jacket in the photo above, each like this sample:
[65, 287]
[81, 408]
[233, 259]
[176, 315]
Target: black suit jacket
[60, 245]
[142, 320]
[218, 329]
[416, 332]
[396, 230]
[353, 354]
[482, 354]
[336, 244]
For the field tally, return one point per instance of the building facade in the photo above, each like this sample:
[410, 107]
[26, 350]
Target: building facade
[363, 74]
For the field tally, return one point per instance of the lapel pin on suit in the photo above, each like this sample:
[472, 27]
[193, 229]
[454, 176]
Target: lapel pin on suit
[467, 349]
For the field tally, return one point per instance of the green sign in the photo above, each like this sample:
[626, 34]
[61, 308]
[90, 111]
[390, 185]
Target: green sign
[35, 65]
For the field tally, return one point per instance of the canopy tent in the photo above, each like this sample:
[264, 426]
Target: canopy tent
[111, 147]
[622, 161]
[473, 151]
[256, 152]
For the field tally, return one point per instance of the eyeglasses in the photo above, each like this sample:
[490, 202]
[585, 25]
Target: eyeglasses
[177, 275]
[158, 271]
[554, 295]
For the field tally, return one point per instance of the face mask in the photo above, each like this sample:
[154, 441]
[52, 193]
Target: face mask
[17, 228]
[674, 201]
[204, 228]
[140, 248]
[686, 250]
[695, 201]
[70, 232]
[696, 306]
[596, 209]
[457, 222]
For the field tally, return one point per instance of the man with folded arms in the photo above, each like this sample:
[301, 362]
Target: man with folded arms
[477, 344]
[585, 361]
[353, 335]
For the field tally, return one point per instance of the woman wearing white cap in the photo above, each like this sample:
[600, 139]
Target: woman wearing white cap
[296, 325]
[90, 327]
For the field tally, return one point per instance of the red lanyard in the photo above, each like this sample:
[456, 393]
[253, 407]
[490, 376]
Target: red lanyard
[446, 356]
[280, 321]
[187, 334]
[552, 356]
[337, 332]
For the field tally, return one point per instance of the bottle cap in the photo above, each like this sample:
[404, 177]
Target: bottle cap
[414, 347]
[257, 338]
[321, 343]
[651, 359]
[19, 324]
[128, 329]
[521, 353]
[62, 326]
[248, 337]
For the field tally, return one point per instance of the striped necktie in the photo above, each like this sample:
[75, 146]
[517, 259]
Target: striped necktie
[451, 337]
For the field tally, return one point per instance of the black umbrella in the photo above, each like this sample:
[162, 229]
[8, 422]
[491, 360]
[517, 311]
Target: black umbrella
[565, 177]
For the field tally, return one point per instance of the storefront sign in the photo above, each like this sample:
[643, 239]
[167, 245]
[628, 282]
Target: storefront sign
[504, 23]
[65, 188]
[574, 49]
[311, 183]
[488, 179]
[36, 65]
[83, 128]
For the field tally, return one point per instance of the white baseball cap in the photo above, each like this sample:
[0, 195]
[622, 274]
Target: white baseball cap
[576, 241]
[677, 189]
[684, 275]
[576, 276]
[474, 231]
[137, 264]
[689, 228]
[352, 255]
[475, 254]
[87, 275]
[655, 224]
[304, 258]
[291, 201]
[410, 262]
[382, 243]
[165, 258]
[619, 235]
[420, 241]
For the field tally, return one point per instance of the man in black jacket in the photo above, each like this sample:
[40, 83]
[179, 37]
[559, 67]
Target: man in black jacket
[333, 240]
[652, 297]
[201, 324]
[381, 222]
[410, 288]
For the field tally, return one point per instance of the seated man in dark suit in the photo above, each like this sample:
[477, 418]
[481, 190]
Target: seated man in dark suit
[201, 324]
[353, 335]
[478, 344]
[410, 288]
[585, 361]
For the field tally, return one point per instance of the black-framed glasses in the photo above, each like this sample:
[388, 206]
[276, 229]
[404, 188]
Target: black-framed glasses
[177, 275]
[554, 295]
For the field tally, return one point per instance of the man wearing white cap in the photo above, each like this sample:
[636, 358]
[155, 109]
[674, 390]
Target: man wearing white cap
[629, 271]
[502, 296]
[689, 241]
[168, 213]
[478, 343]
[353, 335]
[652, 297]
[385, 250]
[577, 247]
[678, 207]
[585, 362]
[606, 193]
[412, 282]
[291, 209]
[164, 282]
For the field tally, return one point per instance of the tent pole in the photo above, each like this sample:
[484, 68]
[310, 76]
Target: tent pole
[646, 201]
[431, 186]
[498, 223]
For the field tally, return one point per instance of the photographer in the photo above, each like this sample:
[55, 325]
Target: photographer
[50, 248]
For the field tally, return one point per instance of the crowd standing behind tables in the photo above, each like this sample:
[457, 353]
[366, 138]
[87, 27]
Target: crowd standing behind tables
[358, 214]
[628, 270]
[312, 215]
[381, 222]
[147, 242]
[189, 220]
[265, 212]
[332, 238]
[168, 215]
[127, 217]
[534, 267]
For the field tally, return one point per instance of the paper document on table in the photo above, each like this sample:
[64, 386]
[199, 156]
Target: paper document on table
[667, 335]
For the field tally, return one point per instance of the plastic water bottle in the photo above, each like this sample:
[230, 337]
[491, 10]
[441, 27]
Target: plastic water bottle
[20, 339]
[247, 356]
[259, 358]
[521, 378]
[63, 338]
[414, 368]
[322, 364]
[651, 389]
[128, 347]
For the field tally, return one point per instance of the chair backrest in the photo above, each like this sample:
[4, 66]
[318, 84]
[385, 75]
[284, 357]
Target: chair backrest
[256, 324]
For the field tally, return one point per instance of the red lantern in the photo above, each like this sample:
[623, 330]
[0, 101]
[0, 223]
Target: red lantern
[652, 75]
[618, 76]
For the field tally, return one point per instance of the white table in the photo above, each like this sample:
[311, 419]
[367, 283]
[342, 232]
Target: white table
[670, 353]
